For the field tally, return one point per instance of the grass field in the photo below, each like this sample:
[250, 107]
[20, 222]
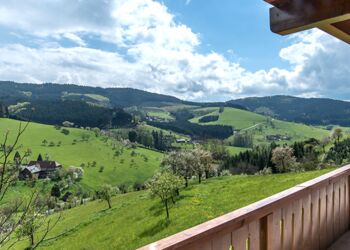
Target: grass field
[239, 119]
[122, 169]
[236, 150]
[136, 220]
[164, 115]
[259, 126]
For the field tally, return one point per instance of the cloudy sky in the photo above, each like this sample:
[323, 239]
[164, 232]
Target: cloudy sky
[192, 49]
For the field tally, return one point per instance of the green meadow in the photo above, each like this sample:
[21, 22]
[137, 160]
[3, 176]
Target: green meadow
[124, 167]
[260, 127]
[136, 219]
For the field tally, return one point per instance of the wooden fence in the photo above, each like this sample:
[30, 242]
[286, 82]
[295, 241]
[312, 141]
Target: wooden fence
[311, 215]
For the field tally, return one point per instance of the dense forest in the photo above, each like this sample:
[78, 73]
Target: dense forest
[79, 113]
[316, 111]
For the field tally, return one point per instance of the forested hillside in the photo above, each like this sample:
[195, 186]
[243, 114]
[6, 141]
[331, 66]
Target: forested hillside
[11, 93]
[78, 113]
[316, 111]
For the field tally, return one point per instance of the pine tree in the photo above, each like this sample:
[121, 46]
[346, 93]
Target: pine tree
[40, 158]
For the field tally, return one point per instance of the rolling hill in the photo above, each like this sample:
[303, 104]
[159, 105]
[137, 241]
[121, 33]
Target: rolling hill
[11, 93]
[261, 126]
[316, 111]
[82, 147]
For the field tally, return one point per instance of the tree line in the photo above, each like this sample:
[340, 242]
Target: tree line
[77, 112]
[300, 156]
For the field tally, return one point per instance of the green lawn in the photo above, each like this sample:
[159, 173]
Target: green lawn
[122, 169]
[136, 219]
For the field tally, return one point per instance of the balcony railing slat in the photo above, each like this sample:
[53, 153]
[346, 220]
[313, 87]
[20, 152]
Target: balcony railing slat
[315, 219]
[254, 234]
[336, 196]
[343, 205]
[298, 225]
[311, 215]
[307, 244]
[347, 215]
[276, 229]
[240, 237]
[223, 242]
[330, 215]
[323, 218]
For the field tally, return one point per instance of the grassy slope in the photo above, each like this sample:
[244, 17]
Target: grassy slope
[95, 149]
[161, 114]
[165, 132]
[136, 220]
[235, 150]
[241, 119]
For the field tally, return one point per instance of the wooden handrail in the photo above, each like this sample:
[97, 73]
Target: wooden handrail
[302, 217]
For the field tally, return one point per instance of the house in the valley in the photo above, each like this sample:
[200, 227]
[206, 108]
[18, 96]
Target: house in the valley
[38, 169]
[182, 140]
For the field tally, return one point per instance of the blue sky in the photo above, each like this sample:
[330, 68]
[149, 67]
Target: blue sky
[240, 31]
[195, 50]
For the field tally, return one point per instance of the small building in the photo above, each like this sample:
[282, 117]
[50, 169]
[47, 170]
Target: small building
[181, 141]
[38, 169]
[28, 172]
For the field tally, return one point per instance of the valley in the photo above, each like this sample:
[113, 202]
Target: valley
[104, 194]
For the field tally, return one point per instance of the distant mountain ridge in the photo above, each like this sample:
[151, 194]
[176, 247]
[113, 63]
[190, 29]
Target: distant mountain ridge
[314, 111]
[11, 92]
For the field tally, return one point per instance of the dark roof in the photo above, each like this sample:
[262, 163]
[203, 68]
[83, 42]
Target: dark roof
[46, 165]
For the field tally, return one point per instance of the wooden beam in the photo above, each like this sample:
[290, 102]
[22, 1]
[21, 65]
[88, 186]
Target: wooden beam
[297, 15]
[337, 32]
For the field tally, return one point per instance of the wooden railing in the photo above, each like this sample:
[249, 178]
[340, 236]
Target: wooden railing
[311, 215]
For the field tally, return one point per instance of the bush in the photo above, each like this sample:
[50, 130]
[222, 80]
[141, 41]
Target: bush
[76, 173]
[225, 172]
[123, 188]
[57, 127]
[244, 168]
[55, 191]
[65, 131]
[138, 186]
[265, 171]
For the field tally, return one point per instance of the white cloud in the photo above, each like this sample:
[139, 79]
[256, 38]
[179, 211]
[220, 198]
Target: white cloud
[74, 38]
[155, 53]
